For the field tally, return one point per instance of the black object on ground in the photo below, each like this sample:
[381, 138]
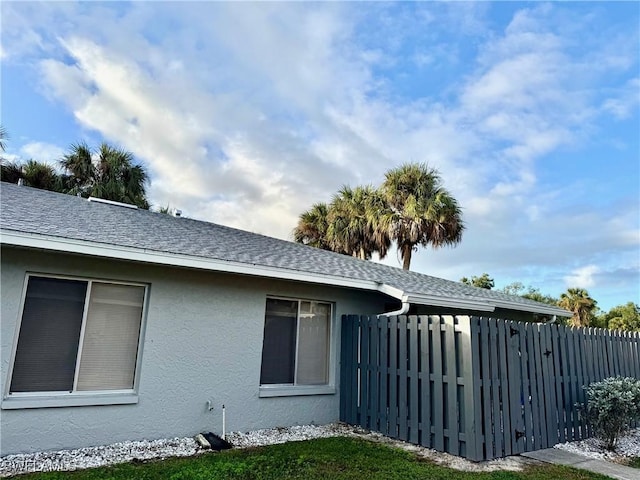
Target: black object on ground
[217, 443]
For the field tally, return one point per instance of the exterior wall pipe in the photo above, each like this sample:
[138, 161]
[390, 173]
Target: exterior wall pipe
[224, 423]
[404, 309]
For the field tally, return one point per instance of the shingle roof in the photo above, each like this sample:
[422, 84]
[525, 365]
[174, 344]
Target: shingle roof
[37, 213]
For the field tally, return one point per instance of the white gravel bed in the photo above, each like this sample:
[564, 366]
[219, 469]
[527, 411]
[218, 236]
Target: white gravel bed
[627, 447]
[66, 460]
[272, 436]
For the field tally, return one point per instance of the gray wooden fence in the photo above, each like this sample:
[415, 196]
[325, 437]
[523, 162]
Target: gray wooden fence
[476, 387]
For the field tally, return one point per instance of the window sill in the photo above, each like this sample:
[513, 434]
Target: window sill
[267, 391]
[16, 402]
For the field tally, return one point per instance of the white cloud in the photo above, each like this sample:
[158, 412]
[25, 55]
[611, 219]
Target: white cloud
[626, 100]
[42, 152]
[582, 277]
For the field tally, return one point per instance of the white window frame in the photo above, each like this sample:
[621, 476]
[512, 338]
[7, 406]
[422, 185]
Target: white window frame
[291, 389]
[21, 400]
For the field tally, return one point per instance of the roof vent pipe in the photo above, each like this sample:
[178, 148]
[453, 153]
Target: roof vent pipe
[20, 181]
[404, 309]
[177, 213]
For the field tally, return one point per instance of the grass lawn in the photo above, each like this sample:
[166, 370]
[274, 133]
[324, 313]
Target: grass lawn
[635, 462]
[326, 458]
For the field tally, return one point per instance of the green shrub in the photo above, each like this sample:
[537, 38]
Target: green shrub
[612, 405]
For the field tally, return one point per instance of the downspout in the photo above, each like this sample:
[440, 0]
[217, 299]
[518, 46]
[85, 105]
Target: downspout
[554, 319]
[404, 309]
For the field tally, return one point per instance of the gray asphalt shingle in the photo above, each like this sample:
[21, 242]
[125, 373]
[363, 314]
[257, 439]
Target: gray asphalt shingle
[31, 211]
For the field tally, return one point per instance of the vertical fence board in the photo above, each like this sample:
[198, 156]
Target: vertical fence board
[625, 369]
[402, 379]
[565, 386]
[414, 403]
[558, 407]
[345, 369]
[364, 372]
[452, 385]
[374, 376]
[383, 361]
[393, 377]
[526, 387]
[425, 390]
[573, 382]
[615, 358]
[635, 361]
[550, 390]
[535, 429]
[610, 371]
[503, 351]
[487, 422]
[438, 383]
[514, 380]
[629, 357]
[495, 390]
[470, 402]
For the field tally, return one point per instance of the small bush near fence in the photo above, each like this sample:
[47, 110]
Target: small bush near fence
[612, 405]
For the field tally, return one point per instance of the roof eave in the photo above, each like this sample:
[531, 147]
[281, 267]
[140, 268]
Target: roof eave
[103, 250]
[466, 303]
[541, 308]
[94, 249]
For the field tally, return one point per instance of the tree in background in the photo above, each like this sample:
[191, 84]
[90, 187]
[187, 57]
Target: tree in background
[33, 173]
[411, 208]
[41, 175]
[578, 301]
[420, 210]
[10, 171]
[353, 226]
[109, 173]
[3, 138]
[483, 281]
[532, 293]
[621, 317]
[312, 227]
[112, 175]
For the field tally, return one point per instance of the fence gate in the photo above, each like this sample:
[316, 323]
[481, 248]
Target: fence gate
[475, 387]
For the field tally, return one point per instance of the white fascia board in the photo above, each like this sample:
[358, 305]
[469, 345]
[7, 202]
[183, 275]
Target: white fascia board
[543, 309]
[93, 249]
[456, 302]
[392, 291]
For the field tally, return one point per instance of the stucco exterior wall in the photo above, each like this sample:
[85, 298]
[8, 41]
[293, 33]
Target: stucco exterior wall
[202, 341]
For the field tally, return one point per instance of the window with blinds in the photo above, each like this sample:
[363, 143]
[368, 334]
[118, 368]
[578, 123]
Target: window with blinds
[295, 348]
[77, 336]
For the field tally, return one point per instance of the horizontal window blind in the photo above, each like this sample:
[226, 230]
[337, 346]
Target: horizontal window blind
[111, 335]
[49, 335]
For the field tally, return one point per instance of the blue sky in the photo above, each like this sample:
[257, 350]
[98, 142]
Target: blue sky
[245, 114]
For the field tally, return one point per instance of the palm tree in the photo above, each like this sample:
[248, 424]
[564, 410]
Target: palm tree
[41, 175]
[34, 174]
[578, 301]
[353, 223]
[312, 227]
[420, 210]
[4, 136]
[10, 171]
[78, 163]
[110, 173]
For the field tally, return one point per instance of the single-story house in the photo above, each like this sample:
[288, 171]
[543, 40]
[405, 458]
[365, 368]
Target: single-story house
[122, 324]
